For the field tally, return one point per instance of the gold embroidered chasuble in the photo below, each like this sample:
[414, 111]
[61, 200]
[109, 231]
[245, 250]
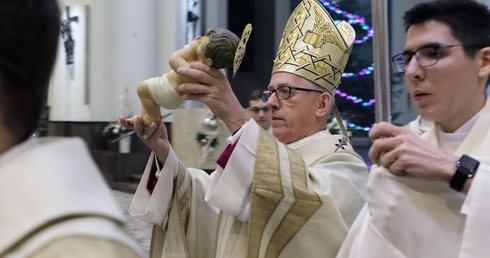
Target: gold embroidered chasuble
[410, 217]
[302, 200]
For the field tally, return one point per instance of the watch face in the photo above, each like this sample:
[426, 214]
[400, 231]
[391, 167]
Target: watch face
[469, 164]
[465, 168]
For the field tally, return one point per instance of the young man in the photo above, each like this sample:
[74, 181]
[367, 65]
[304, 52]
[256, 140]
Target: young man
[259, 111]
[292, 195]
[54, 200]
[417, 204]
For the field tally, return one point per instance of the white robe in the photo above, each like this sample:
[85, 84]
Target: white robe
[411, 217]
[50, 190]
[270, 200]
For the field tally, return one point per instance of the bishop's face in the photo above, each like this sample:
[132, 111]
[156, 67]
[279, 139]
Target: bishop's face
[295, 117]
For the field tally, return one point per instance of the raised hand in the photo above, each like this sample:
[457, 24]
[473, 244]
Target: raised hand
[403, 152]
[213, 89]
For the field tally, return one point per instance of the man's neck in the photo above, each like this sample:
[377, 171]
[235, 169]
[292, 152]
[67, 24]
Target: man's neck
[464, 126]
[455, 123]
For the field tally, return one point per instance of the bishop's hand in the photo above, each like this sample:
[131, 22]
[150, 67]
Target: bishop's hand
[154, 136]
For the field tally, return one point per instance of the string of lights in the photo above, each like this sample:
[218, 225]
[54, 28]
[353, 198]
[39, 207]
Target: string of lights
[355, 99]
[354, 19]
[365, 71]
[358, 127]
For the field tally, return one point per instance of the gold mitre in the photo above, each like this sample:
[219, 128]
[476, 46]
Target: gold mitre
[313, 47]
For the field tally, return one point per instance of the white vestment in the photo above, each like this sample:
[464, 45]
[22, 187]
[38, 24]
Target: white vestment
[270, 200]
[52, 192]
[411, 217]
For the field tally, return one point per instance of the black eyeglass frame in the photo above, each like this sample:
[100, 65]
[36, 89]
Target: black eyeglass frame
[266, 94]
[401, 64]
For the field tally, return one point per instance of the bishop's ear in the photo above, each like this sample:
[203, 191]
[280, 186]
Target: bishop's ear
[324, 104]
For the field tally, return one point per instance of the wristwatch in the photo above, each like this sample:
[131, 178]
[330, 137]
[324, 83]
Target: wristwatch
[466, 168]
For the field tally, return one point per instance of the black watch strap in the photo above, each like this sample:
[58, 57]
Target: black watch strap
[466, 168]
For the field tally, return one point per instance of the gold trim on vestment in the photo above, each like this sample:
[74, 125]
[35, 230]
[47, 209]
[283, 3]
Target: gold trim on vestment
[305, 205]
[160, 243]
[181, 178]
[185, 186]
[267, 190]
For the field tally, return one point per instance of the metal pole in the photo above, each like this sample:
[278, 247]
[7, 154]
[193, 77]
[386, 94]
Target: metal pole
[381, 60]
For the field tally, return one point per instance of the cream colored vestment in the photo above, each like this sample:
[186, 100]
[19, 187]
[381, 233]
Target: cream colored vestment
[410, 217]
[55, 203]
[271, 200]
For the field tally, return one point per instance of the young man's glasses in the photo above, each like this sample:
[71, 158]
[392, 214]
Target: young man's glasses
[283, 92]
[426, 56]
[256, 110]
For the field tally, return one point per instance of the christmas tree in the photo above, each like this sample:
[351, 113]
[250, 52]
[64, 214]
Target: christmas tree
[355, 96]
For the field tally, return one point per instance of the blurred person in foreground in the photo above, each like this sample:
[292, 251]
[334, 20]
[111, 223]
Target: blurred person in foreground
[55, 203]
[428, 196]
[291, 194]
[259, 110]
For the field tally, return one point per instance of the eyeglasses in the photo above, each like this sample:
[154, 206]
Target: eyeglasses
[283, 92]
[426, 56]
[256, 110]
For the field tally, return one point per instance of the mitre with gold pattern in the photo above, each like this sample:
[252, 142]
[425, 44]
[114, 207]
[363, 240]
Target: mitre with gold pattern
[313, 47]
